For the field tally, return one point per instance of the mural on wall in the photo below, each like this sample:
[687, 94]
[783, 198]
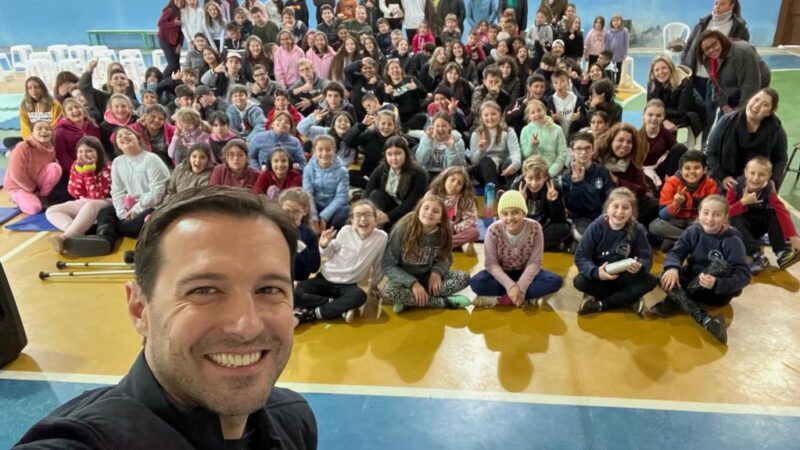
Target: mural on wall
[66, 21]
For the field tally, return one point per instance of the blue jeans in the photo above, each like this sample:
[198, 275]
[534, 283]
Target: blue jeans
[546, 282]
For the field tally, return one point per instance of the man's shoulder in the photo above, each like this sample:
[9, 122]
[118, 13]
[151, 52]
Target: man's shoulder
[291, 418]
[103, 418]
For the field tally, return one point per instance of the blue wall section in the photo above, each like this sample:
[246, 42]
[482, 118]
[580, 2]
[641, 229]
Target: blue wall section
[44, 22]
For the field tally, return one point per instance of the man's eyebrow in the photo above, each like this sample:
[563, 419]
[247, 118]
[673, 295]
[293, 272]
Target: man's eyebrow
[214, 276]
[206, 276]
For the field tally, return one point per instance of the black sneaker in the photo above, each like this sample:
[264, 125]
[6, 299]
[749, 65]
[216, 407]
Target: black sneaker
[665, 308]
[590, 305]
[787, 257]
[86, 246]
[639, 307]
[305, 316]
[716, 326]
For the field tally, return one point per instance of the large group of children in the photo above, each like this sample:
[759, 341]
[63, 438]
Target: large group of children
[375, 143]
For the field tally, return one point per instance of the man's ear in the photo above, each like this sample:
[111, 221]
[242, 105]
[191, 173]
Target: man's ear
[137, 308]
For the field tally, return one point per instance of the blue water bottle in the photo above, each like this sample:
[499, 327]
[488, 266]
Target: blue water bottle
[488, 201]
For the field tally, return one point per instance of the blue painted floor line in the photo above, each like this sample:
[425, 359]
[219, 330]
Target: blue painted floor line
[372, 421]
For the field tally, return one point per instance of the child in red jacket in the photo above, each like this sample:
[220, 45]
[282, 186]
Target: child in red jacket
[422, 37]
[756, 209]
[90, 185]
[680, 197]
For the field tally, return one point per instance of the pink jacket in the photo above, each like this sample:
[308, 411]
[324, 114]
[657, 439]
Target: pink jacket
[27, 160]
[321, 63]
[286, 71]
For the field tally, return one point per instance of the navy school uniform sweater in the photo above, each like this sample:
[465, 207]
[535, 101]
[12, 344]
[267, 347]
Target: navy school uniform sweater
[585, 198]
[700, 248]
[600, 244]
[308, 260]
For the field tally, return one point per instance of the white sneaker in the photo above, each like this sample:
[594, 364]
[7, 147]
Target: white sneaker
[351, 315]
[468, 249]
[485, 301]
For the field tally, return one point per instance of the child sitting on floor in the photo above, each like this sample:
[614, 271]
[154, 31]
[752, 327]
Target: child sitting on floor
[514, 248]
[545, 204]
[418, 258]
[454, 187]
[680, 197]
[612, 237]
[351, 255]
[755, 209]
[715, 273]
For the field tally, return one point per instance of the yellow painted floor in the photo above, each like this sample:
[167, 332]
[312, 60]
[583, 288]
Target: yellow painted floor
[80, 326]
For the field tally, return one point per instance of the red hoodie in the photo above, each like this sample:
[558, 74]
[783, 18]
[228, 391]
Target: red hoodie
[268, 178]
[67, 135]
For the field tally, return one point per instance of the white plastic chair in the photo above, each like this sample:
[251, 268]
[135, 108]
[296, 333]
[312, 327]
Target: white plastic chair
[19, 56]
[81, 53]
[70, 65]
[131, 54]
[159, 60]
[99, 51]
[673, 31]
[40, 65]
[58, 52]
[626, 78]
[5, 63]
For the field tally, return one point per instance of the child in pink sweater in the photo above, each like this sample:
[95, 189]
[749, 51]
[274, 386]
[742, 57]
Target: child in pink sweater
[454, 187]
[33, 171]
[90, 185]
[422, 37]
[514, 247]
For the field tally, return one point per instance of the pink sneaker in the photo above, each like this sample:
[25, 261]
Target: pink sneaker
[504, 300]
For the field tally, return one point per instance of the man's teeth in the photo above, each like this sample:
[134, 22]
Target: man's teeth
[235, 360]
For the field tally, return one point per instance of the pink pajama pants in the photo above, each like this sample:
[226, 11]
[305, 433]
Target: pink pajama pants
[462, 237]
[76, 217]
[29, 202]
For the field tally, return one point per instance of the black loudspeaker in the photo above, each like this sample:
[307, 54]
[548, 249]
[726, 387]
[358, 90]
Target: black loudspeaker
[12, 334]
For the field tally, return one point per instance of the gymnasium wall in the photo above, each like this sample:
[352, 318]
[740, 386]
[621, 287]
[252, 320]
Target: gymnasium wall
[44, 22]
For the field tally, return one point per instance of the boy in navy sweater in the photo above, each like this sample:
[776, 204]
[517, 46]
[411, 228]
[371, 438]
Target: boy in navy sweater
[614, 236]
[716, 271]
[586, 185]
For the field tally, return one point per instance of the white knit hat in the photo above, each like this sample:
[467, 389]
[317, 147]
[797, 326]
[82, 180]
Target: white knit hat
[512, 199]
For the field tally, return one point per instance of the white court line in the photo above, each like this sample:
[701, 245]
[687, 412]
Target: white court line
[454, 394]
[27, 243]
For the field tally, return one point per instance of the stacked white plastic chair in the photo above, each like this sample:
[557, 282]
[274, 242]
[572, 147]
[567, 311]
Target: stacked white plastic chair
[6, 69]
[40, 65]
[133, 63]
[158, 59]
[19, 56]
[81, 53]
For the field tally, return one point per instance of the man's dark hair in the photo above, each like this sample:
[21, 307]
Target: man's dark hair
[607, 54]
[692, 156]
[225, 200]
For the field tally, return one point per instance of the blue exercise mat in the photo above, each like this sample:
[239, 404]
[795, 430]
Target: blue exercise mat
[483, 224]
[8, 213]
[36, 222]
[10, 124]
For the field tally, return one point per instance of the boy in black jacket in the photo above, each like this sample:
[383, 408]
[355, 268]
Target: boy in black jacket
[545, 204]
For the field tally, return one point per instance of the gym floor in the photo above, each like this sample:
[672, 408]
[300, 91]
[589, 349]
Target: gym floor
[477, 378]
